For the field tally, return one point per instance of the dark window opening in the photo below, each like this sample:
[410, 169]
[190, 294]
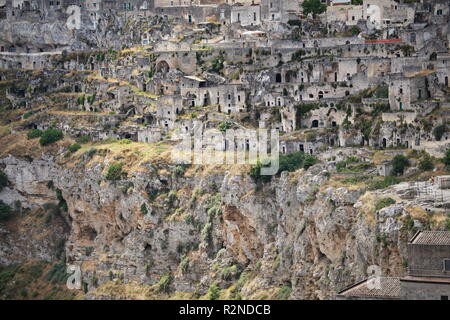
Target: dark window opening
[278, 78]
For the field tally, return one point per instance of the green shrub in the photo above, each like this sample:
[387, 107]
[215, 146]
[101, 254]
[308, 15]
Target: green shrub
[446, 159]
[355, 179]
[382, 92]
[115, 171]
[382, 184]
[287, 162]
[283, 293]
[206, 232]
[171, 198]
[28, 114]
[426, 163]
[62, 204]
[83, 139]
[184, 264]
[399, 163]
[7, 274]
[125, 141]
[225, 125]
[294, 23]
[189, 218]
[313, 6]
[297, 55]
[5, 211]
[294, 161]
[74, 147]
[214, 291]
[229, 273]
[409, 224]
[57, 274]
[80, 100]
[340, 166]
[144, 209]
[214, 205]
[34, 133]
[345, 165]
[91, 99]
[255, 173]
[355, 30]
[384, 202]
[50, 136]
[164, 283]
[3, 180]
[304, 108]
[178, 171]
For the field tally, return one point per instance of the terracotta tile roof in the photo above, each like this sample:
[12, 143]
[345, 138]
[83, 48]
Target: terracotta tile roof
[389, 288]
[441, 238]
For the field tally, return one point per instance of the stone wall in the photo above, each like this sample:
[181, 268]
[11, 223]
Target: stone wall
[418, 290]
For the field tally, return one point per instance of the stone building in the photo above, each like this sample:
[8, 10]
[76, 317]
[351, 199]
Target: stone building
[428, 276]
[229, 98]
[279, 10]
[246, 15]
[404, 91]
[346, 13]
[382, 14]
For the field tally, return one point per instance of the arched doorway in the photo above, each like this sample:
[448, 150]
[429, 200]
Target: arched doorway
[162, 66]
[315, 124]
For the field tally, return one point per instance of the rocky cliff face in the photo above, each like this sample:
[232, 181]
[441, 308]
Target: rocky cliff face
[107, 31]
[200, 225]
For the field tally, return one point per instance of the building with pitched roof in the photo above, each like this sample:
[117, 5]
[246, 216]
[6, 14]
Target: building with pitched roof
[428, 273]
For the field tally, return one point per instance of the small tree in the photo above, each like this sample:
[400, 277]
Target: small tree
[5, 210]
[426, 163]
[74, 147]
[51, 136]
[399, 163]
[164, 283]
[3, 180]
[313, 6]
[34, 133]
[214, 292]
[115, 171]
[446, 159]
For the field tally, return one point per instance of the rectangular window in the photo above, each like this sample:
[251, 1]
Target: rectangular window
[446, 264]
